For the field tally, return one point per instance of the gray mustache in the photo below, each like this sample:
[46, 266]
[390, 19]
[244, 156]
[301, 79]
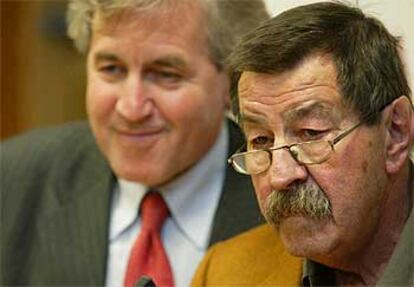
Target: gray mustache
[301, 199]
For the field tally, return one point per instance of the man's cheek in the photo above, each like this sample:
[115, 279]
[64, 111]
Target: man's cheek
[262, 192]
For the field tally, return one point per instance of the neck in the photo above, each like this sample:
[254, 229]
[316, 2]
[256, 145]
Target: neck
[366, 267]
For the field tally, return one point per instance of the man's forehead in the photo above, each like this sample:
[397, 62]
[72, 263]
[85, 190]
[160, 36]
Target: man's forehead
[315, 69]
[306, 110]
[161, 43]
[252, 82]
[175, 15]
[310, 87]
[318, 109]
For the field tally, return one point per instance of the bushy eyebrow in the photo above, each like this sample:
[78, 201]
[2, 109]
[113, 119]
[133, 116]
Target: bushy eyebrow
[171, 61]
[167, 61]
[316, 110]
[251, 119]
[103, 56]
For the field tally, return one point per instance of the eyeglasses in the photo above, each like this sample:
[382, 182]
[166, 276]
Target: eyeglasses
[311, 152]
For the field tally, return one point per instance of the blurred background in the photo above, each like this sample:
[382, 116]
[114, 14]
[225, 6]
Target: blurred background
[43, 77]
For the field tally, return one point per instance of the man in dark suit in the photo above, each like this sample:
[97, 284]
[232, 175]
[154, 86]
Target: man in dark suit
[157, 94]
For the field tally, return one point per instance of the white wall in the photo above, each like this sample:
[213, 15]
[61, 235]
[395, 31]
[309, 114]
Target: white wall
[397, 15]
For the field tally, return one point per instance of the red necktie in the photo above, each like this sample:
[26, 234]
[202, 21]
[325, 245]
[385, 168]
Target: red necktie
[148, 256]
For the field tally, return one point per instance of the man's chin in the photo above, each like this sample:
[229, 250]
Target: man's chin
[148, 176]
[299, 232]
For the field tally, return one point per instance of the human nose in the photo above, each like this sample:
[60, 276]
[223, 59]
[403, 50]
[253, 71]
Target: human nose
[285, 170]
[134, 103]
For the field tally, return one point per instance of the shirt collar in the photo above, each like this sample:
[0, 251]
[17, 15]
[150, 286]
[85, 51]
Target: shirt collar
[192, 198]
[126, 199]
[315, 274]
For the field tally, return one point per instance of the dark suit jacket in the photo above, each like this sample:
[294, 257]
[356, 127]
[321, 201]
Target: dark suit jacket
[55, 196]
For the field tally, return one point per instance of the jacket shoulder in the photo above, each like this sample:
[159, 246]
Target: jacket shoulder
[44, 147]
[48, 139]
[42, 157]
[38, 165]
[251, 258]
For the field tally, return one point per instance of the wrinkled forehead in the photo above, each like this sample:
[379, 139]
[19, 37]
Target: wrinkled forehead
[309, 90]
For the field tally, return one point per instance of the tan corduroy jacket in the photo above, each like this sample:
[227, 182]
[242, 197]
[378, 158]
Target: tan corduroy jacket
[254, 258]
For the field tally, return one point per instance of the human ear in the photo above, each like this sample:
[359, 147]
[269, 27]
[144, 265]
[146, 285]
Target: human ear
[400, 133]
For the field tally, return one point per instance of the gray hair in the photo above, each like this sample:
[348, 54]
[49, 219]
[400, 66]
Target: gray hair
[227, 20]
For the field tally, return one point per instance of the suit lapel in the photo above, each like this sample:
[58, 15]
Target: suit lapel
[237, 210]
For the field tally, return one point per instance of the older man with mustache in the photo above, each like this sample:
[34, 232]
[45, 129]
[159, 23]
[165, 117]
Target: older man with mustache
[324, 103]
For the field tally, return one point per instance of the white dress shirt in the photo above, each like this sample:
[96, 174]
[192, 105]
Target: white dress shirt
[192, 199]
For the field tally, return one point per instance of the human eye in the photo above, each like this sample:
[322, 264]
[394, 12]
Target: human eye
[311, 134]
[260, 142]
[167, 78]
[112, 71]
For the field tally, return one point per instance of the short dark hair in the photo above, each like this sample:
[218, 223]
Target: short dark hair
[370, 72]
